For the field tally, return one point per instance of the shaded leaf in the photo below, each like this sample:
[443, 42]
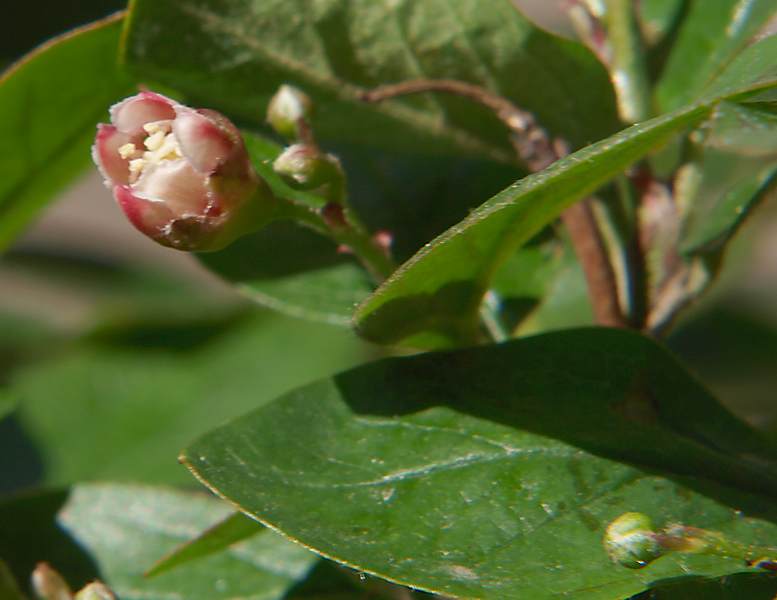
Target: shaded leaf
[747, 129]
[708, 41]
[51, 101]
[658, 17]
[750, 586]
[300, 273]
[139, 404]
[126, 528]
[230, 530]
[492, 472]
[731, 188]
[8, 588]
[294, 271]
[234, 55]
[31, 534]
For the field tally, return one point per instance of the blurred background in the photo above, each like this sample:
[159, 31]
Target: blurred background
[90, 310]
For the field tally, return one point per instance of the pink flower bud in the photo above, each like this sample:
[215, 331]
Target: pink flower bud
[181, 175]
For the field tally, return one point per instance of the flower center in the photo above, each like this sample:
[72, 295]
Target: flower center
[160, 145]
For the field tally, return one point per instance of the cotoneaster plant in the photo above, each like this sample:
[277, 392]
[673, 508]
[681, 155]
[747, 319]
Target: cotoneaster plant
[498, 224]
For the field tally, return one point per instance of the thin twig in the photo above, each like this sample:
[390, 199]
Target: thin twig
[588, 244]
[537, 150]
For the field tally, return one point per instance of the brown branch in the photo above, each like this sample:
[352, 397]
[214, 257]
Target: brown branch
[590, 249]
[537, 150]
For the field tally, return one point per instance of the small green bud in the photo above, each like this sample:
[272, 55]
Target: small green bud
[304, 167]
[49, 585]
[287, 107]
[631, 542]
[95, 591]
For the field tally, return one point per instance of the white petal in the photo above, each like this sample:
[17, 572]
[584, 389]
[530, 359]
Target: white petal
[202, 141]
[176, 184]
[131, 114]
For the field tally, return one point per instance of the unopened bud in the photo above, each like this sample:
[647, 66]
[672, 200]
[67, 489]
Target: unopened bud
[306, 168]
[631, 542]
[95, 591]
[181, 175]
[49, 585]
[286, 109]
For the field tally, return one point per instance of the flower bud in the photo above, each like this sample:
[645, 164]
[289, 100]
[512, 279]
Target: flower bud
[631, 542]
[287, 107]
[182, 176]
[304, 167]
[95, 591]
[49, 585]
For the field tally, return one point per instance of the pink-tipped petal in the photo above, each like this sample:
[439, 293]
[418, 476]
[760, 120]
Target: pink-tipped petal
[146, 107]
[148, 217]
[105, 153]
[204, 144]
[182, 189]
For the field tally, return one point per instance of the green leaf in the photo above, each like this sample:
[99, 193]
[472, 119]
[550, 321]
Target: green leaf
[8, 588]
[232, 529]
[124, 529]
[233, 56]
[51, 101]
[565, 303]
[300, 273]
[433, 299]
[731, 187]
[492, 472]
[658, 17]
[710, 38]
[747, 129]
[139, 404]
[755, 67]
[294, 271]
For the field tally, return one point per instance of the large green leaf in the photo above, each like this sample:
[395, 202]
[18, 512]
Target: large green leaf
[713, 33]
[124, 529]
[233, 55]
[50, 103]
[139, 404]
[492, 472]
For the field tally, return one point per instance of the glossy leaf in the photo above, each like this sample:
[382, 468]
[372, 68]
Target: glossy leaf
[433, 299]
[51, 101]
[217, 538]
[126, 528]
[711, 36]
[492, 472]
[234, 55]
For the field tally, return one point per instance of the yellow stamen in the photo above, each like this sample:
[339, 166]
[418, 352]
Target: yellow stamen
[127, 150]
